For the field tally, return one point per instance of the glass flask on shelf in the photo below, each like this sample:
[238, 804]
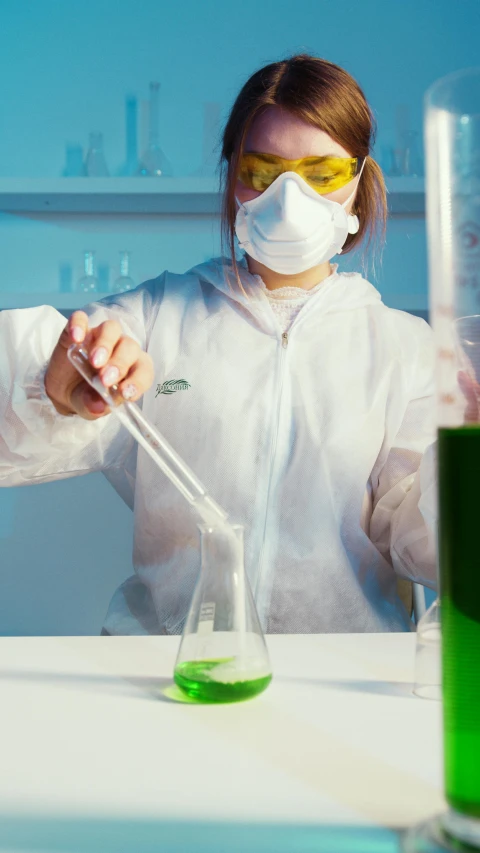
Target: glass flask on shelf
[124, 281]
[223, 656]
[154, 162]
[95, 163]
[88, 283]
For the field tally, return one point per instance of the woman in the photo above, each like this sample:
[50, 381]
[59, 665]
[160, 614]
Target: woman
[305, 405]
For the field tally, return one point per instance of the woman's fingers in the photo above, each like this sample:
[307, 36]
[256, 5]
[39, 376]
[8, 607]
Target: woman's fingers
[138, 379]
[118, 358]
[125, 354]
[104, 339]
[77, 327]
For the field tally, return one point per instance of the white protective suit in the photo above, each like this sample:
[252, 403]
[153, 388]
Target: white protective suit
[314, 445]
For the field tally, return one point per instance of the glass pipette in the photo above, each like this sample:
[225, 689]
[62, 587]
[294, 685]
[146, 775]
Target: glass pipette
[162, 453]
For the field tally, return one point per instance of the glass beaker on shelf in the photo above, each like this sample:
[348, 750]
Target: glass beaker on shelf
[74, 165]
[154, 162]
[124, 281]
[130, 165]
[88, 283]
[95, 163]
[223, 656]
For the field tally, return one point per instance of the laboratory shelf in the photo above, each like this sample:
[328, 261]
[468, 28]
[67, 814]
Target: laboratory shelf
[182, 195]
[62, 301]
[67, 302]
[109, 195]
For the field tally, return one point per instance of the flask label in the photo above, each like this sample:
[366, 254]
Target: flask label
[206, 617]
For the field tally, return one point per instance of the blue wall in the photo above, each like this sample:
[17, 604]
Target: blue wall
[66, 64]
[65, 68]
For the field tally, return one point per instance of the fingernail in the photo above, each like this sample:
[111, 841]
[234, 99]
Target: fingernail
[111, 375]
[99, 356]
[77, 333]
[128, 392]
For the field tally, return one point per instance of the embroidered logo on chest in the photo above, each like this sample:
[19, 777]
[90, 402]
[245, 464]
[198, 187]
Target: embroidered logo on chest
[172, 385]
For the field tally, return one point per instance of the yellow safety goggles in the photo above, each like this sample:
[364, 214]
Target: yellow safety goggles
[323, 174]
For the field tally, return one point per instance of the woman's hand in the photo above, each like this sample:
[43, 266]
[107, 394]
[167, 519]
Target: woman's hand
[119, 361]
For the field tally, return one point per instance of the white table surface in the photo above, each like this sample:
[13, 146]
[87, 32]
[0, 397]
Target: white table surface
[336, 755]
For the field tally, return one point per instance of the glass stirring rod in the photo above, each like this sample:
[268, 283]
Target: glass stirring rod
[162, 453]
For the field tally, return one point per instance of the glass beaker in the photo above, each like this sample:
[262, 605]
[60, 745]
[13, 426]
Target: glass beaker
[154, 162]
[95, 164]
[223, 656]
[124, 281]
[88, 283]
[130, 165]
[74, 165]
[452, 143]
[428, 677]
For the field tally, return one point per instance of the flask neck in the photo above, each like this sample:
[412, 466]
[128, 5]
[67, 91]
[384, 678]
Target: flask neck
[153, 123]
[96, 141]
[124, 263]
[222, 548]
[89, 263]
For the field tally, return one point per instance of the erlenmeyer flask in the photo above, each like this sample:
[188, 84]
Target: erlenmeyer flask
[88, 283]
[124, 281]
[154, 162]
[223, 656]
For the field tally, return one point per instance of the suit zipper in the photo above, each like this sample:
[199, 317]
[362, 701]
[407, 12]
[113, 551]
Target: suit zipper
[273, 448]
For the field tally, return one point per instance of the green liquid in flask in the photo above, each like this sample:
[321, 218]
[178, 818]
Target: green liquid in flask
[459, 546]
[209, 681]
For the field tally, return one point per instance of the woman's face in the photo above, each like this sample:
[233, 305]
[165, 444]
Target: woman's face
[277, 131]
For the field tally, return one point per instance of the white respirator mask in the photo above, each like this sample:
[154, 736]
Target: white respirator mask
[290, 228]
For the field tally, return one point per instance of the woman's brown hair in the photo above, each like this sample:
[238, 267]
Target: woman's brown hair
[327, 97]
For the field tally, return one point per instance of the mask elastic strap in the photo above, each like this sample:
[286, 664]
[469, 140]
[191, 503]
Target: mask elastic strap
[354, 191]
